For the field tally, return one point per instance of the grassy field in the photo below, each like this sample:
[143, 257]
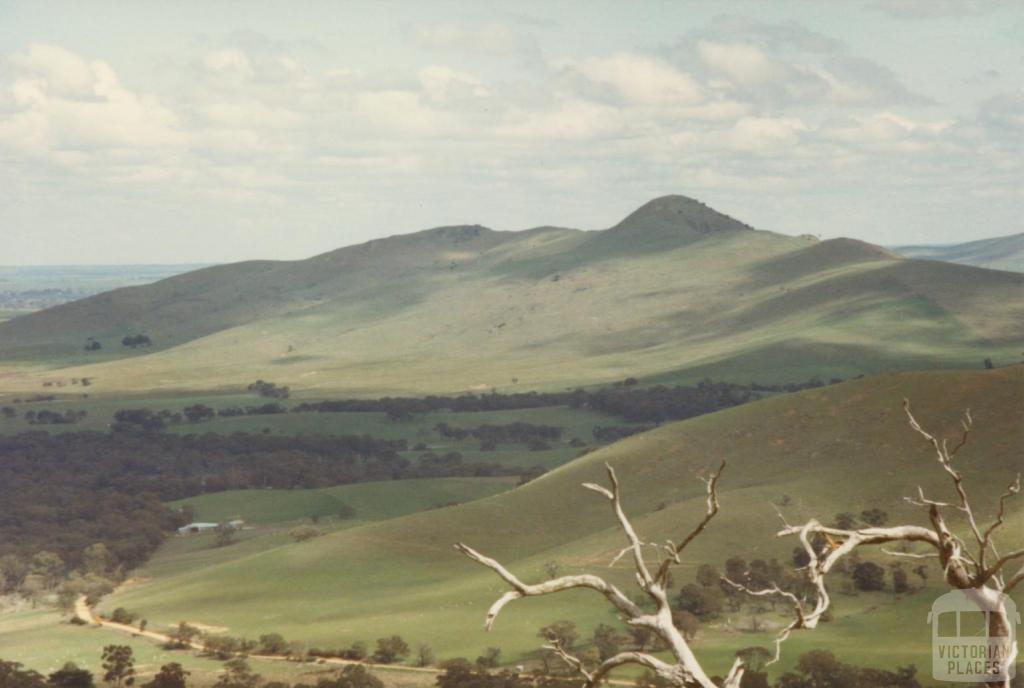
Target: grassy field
[842, 448]
[469, 309]
[371, 501]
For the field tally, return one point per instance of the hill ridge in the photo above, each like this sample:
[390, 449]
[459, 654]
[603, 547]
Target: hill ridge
[674, 289]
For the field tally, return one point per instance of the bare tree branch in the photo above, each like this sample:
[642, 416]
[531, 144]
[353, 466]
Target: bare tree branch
[687, 670]
[957, 562]
[521, 589]
[712, 511]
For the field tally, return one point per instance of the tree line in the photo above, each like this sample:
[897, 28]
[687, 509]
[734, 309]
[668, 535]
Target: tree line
[65, 492]
[628, 400]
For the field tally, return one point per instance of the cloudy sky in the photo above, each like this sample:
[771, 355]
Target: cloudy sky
[215, 131]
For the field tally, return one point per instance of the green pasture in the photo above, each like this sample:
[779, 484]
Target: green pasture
[842, 448]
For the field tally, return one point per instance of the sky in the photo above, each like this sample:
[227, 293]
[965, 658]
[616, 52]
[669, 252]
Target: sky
[152, 131]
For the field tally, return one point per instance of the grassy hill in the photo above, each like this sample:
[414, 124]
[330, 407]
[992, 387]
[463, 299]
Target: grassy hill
[998, 253]
[840, 448]
[676, 290]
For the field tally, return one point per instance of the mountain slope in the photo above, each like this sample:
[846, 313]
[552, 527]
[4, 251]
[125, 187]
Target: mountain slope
[998, 253]
[845, 447]
[676, 289]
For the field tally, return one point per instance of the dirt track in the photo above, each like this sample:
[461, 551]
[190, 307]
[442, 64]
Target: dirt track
[84, 613]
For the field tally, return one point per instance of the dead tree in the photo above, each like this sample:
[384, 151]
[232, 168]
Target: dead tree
[652, 578]
[977, 569]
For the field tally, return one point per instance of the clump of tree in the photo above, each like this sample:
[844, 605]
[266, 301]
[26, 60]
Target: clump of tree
[390, 650]
[225, 534]
[353, 676]
[92, 345]
[123, 616]
[48, 417]
[197, 413]
[269, 390]
[118, 665]
[272, 644]
[70, 676]
[238, 674]
[15, 675]
[134, 341]
[143, 420]
[171, 675]
[181, 637]
[821, 669]
[508, 433]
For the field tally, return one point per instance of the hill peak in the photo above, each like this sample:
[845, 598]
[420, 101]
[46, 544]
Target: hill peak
[678, 217]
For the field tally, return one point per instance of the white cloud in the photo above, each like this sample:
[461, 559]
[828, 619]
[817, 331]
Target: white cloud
[787, 65]
[496, 38]
[61, 102]
[572, 119]
[246, 132]
[762, 133]
[232, 61]
[740, 62]
[400, 112]
[444, 83]
[887, 128]
[641, 79]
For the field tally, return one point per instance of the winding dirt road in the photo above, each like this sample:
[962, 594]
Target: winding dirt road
[84, 613]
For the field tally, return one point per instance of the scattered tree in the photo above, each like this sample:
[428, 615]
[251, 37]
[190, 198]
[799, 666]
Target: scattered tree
[874, 516]
[181, 636]
[171, 675]
[70, 676]
[390, 650]
[356, 651]
[12, 675]
[272, 644]
[118, 665]
[353, 676]
[490, 658]
[425, 655]
[225, 534]
[122, 616]
[135, 341]
[606, 641]
[237, 674]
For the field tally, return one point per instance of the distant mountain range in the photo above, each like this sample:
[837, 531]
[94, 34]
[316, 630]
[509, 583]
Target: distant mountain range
[999, 253]
[676, 290]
